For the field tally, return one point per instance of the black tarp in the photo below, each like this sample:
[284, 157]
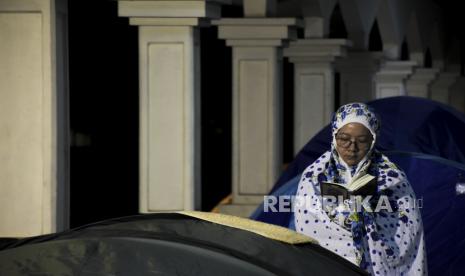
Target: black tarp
[165, 244]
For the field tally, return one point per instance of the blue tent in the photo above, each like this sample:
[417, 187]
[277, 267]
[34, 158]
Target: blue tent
[434, 181]
[407, 124]
[426, 139]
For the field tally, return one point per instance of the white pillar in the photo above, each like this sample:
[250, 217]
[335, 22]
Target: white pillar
[313, 84]
[457, 94]
[357, 72]
[32, 106]
[169, 100]
[440, 87]
[418, 84]
[390, 79]
[257, 123]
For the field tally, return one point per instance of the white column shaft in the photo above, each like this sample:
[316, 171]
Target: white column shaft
[390, 80]
[440, 87]
[357, 76]
[418, 84]
[357, 87]
[457, 94]
[257, 120]
[257, 156]
[314, 84]
[29, 108]
[169, 118]
[389, 88]
[313, 100]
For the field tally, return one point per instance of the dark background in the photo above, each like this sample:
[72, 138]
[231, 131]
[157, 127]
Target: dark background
[104, 105]
[103, 60]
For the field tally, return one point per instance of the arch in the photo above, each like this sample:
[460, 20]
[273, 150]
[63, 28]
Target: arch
[415, 43]
[453, 55]
[437, 47]
[426, 18]
[404, 50]
[289, 8]
[375, 43]
[391, 18]
[359, 16]
[337, 27]
[317, 15]
[428, 60]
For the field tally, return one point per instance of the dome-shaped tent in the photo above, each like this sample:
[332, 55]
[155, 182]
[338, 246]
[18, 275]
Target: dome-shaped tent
[426, 139]
[407, 124]
[170, 244]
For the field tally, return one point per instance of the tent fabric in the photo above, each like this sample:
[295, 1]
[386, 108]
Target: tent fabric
[267, 230]
[408, 124]
[434, 181]
[166, 244]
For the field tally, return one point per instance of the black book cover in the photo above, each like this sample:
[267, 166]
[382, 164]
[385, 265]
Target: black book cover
[333, 189]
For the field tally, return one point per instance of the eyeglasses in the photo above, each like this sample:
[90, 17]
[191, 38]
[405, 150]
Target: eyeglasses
[363, 142]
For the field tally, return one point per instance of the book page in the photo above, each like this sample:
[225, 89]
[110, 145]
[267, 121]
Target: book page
[360, 182]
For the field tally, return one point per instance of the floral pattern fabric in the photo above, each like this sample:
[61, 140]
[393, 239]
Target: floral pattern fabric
[388, 241]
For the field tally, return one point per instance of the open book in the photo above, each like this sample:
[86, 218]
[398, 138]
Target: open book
[364, 186]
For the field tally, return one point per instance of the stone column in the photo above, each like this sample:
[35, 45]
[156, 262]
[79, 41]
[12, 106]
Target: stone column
[33, 118]
[440, 87]
[418, 84]
[390, 80]
[257, 123]
[357, 72]
[169, 63]
[457, 94]
[314, 84]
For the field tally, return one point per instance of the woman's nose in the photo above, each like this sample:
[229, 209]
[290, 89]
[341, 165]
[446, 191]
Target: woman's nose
[353, 146]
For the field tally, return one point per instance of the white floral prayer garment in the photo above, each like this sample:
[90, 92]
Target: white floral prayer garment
[386, 240]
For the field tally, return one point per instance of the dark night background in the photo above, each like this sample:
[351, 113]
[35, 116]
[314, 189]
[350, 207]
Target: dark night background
[103, 58]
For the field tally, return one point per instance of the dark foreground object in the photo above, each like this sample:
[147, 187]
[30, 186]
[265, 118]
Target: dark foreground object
[165, 244]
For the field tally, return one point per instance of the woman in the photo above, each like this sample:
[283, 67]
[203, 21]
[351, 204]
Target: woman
[383, 241]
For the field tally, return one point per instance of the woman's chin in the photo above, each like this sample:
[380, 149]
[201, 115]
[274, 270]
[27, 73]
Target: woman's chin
[351, 161]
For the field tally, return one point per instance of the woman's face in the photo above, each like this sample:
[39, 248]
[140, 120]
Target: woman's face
[353, 141]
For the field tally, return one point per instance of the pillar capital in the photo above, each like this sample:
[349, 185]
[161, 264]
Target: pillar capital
[159, 21]
[357, 72]
[257, 31]
[445, 79]
[168, 13]
[316, 50]
[395, 70]
[356, 62]
[390, 79]
[424, 74]
[418, 83]
[440, 87]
